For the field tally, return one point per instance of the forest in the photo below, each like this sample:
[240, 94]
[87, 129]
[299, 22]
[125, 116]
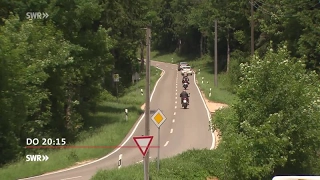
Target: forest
[53, 70]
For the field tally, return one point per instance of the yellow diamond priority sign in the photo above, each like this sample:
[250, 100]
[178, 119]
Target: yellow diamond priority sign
[158, 118]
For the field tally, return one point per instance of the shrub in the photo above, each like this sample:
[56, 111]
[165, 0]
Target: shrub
[274, 128]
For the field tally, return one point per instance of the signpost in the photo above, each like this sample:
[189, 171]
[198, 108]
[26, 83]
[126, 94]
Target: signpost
[116, 79]
[126, 111]
[158, 118]
[135, 77]
[143, 143]
[120, 161]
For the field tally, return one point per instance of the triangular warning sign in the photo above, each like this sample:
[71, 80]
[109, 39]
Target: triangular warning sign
[143, 143]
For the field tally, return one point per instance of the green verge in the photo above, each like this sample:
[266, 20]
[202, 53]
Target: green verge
[112, 130]
[218, 94]
[189, 165]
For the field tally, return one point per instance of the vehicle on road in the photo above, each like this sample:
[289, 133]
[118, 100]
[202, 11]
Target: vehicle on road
[181, 64]
[184, 103]
[185, 79]
[187, 70]
[185, 85]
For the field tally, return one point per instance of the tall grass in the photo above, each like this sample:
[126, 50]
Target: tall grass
[189, 165]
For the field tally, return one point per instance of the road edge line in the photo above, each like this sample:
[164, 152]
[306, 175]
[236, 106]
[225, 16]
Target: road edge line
[213, 144]
[114, 151]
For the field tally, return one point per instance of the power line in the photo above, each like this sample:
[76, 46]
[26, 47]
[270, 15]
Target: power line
[265, 11]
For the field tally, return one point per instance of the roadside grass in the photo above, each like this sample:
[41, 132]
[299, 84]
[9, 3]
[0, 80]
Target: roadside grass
[219, 94]
[113, 128]
[189, 165]
[205, 78]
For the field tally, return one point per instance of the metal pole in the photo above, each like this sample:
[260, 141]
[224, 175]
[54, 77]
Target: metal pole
[147, 109]
[252, 29]
[158, 163]
[117, 91]
[216, 53]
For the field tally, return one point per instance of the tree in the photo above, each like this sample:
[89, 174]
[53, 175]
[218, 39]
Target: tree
[277, 118]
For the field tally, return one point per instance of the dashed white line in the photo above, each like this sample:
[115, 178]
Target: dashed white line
[176, 97]
[173, 120]
[176, 90]
[171, 131]
[174, 113]
[176, 93]
[166, 144]
[176, 102]
[71, 178]
[175, 107]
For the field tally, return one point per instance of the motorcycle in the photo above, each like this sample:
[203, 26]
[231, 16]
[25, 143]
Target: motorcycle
[185, 85]
[184, 103]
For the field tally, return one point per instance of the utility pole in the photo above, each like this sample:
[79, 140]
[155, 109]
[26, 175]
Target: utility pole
[147, 108]
[252, 29]
[216, 53]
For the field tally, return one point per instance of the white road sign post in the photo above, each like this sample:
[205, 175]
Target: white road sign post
[116, 79]
[126, 111]
[120, 161]
[143, 143]
[158, 118]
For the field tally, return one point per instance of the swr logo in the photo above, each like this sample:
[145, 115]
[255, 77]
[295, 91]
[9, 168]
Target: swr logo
[37, 15]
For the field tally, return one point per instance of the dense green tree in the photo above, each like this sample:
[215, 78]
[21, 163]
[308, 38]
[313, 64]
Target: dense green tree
[274, 129]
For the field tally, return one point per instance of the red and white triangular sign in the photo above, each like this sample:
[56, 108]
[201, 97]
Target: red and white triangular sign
[143, 143]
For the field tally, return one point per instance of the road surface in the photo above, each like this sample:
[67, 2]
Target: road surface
[184, 128]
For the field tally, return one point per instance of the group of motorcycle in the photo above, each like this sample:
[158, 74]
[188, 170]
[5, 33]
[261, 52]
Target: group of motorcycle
[184, 95]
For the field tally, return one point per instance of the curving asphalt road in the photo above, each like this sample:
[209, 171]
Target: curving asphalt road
[184, 128]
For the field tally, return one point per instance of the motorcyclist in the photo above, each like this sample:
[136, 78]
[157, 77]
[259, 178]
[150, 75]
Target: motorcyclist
[185, 79]
[183, 95]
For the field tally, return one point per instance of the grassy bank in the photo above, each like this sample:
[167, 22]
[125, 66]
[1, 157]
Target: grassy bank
[189, 165]
[112, 129]
[218, 94]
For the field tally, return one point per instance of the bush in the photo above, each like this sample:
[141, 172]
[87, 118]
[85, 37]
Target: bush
[274, 128]
[236, 58]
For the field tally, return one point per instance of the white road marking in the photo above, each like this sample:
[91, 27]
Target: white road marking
[116, 150]
[173, 120]
[174, 113]
[176, 97]
[176, 90]
[171, 131]
[175, 107]
[71, 178]
[166, 144]
[213, 145]
[176, 93]
[176, 102]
